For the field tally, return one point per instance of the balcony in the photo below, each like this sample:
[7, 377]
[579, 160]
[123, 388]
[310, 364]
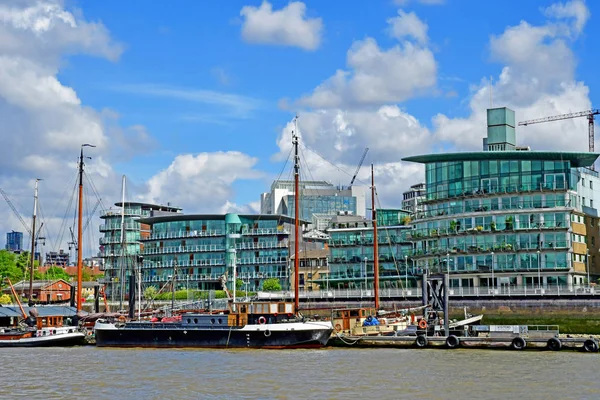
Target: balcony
[184, 234]
[114, 240]
[265, 231]
[262, 260]
[183, 249]
[131, 225]
[185, 263]
[262, 245]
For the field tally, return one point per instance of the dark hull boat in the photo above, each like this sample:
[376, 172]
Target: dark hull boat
[197, 330]
[248, 325]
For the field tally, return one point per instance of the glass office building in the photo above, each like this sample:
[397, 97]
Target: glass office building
[352, 252]
[506, 217]
[195, 248]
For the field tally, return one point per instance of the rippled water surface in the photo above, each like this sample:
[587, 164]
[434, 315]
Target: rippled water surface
[99, 373]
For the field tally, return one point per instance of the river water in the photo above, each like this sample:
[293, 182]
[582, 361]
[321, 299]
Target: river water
[331, 373]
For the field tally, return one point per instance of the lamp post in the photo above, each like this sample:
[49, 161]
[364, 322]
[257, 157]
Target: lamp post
[366, 259]
[493, 280]
[405, 272]
[587, 259]
[448, 267]
[539, 260]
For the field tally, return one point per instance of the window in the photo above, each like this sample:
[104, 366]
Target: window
[591, 185]
[592, 203]
[583, 201]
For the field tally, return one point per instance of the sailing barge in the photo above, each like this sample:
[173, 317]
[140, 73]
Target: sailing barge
[248, 325]
[259, 324]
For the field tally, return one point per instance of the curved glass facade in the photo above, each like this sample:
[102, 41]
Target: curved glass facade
[493, 221]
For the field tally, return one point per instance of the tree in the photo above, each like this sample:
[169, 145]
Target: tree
[271, 285]
[54, 273]
[239, 284]
[150, 292]
[8, 267]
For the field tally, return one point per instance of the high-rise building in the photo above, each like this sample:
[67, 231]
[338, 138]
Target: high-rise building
[319, 201]
[14, 241]
[508, 216]
[57, 258]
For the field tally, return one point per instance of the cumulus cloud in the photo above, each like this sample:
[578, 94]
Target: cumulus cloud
[44, 121]
[286, 27]
[377, 76]
[408, 25]
[537, 80]
[201, 182]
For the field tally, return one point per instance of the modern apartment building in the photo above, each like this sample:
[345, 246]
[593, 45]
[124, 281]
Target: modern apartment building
[120, 252]
[319, 201]
[508, 216]
[351, 252]
[201, 249]
[14, 241]
[412, 199]
[57, 258]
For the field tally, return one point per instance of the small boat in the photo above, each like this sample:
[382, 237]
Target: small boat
[39, 331]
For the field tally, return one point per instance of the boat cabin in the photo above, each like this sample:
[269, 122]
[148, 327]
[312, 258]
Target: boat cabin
[261, 312]
[54, 321]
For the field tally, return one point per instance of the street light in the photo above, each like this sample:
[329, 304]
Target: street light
[448, 267]
[405, 272]
[539, 270]
[493, 280]
[588, 267]
[366, 259]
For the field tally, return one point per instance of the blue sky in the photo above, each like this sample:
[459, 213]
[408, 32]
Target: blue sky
[193, 100]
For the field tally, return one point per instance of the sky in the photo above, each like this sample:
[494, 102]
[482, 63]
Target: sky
[194, 102]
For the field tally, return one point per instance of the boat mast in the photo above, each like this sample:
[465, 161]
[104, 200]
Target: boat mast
[14, 292]
[296, 215]
[375, 243]
[80, 228]
[32, 258]
[121, 269]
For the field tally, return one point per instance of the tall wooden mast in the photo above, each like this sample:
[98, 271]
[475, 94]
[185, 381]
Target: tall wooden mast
[32, 258]
[80, 229]
[375, 243]
[296, 215]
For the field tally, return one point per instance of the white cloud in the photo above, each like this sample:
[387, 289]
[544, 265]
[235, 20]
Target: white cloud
[377, 76]
[45, 121]
[575, 9]
[237, 105]
[408, 25]
[286, 27]
[201, 182]
[537, 80]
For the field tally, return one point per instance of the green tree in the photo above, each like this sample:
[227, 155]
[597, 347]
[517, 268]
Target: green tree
[23, 261]
[271, 285]
[150, 292]
[54, 273]
[8, 267]
[239, 284]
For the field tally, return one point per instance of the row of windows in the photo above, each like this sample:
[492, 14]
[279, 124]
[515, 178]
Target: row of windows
[499, 262]
[550, 200]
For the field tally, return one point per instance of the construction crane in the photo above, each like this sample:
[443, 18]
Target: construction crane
[360, 163]
[589, 114]
[27, 228]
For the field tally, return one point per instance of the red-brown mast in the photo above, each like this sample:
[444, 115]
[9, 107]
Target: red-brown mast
[80, 229]
[375, 243]
[296, 215]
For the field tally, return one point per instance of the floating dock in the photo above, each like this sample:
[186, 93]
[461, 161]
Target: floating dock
[493, 341]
